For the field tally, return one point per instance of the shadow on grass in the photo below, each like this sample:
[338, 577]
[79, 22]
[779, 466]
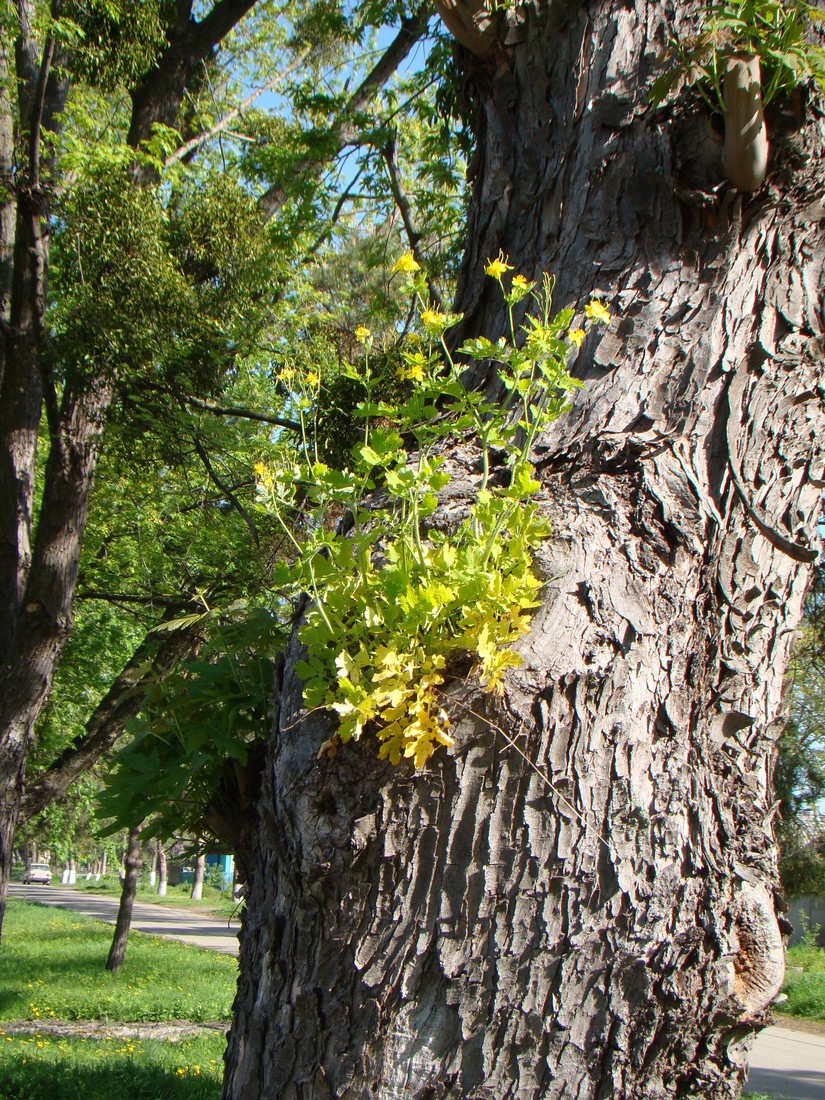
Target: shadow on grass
[30, 1081]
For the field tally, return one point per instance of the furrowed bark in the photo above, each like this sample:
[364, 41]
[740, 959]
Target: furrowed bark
[578, 900]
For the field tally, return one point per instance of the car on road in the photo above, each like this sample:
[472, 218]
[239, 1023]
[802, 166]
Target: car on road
[38, 872]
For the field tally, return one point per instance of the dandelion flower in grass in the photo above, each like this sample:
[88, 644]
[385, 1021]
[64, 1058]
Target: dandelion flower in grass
[496, 268]
[596, 310]
[406, 264]
[362, 333]
[576, 337]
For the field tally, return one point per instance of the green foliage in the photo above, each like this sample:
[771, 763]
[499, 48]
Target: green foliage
[114, 42]
[194, 719]
[776, 31]
[398, 603]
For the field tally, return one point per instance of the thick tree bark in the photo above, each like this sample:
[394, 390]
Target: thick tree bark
[577, 900]
[132, 865]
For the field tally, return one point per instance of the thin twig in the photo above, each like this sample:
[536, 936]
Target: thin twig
[230, 116]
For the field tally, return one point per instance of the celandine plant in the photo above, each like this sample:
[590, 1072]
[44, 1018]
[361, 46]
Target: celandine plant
[394, 602]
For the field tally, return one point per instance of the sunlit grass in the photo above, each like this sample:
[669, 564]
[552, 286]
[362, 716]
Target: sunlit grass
[47, 1068]
[52, 967]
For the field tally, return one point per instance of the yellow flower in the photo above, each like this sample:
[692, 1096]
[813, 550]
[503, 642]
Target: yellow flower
[496, 268]
[520, 283]
[363, 334]
[312, 378]
[433, 321]
[596, 310]
[576, 336]
[413, 372]
[406, 264]
[286, 374]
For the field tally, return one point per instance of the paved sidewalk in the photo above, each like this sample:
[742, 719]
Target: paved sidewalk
[157, 920]
[788, 1064]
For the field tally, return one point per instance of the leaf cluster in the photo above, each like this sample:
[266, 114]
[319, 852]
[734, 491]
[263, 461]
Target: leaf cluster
[114, 42]
[399, 604]
[193, 719]
[778, 32]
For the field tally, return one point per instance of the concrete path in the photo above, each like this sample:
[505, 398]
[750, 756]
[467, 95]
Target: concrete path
[788, 1064]
[157, 920]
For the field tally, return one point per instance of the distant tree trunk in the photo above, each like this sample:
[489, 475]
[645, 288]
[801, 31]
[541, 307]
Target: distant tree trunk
[197, 881]
[578, 899]
[162, 862]
[133, 861]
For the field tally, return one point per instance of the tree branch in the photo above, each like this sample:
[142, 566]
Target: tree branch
[405, 210]
[343, 131]
[245, 414]
[471, 23]
[198, 140]
[154, 655]
[158, 97]
[126, 597]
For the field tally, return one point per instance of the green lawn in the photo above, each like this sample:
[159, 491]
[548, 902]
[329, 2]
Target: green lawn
[805, 990]
[52, 968]
[44, 1068]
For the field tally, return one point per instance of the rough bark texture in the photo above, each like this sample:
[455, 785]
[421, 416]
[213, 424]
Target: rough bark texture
[132, 865]
[578, 899]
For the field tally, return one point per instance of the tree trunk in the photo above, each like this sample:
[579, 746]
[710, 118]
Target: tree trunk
[117, 952]
[197, 881]
[161, 869]
[577, 900]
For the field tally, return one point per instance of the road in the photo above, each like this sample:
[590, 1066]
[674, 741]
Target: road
[786, 1064]
[157, 920]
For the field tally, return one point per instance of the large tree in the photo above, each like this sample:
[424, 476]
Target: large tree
[578, 898]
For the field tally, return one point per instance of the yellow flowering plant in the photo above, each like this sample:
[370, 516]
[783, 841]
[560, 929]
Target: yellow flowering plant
[398, 603]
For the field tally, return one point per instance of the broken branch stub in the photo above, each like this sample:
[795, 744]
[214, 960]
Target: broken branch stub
[745, 153]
